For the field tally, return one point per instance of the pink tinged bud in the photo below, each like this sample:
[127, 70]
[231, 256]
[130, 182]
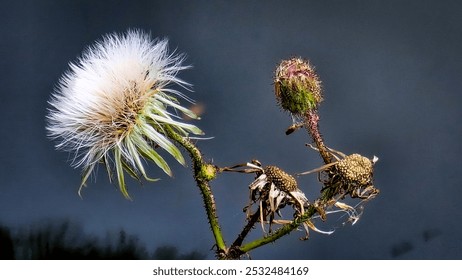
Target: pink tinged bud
[297, 87]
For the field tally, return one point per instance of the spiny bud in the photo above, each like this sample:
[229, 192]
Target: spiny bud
[297, 87]
[356, 169]
[281, 179]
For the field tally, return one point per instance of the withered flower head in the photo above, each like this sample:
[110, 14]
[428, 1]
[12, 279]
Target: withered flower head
[356, 169]
[281, 179]
[278, 188]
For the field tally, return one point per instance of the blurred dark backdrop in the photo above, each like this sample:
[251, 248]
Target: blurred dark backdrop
[391, 77]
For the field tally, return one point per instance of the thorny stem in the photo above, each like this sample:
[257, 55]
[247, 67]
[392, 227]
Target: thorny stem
[312, 125]
[284, 230]
[237, 249]
[234, 252]
[240, 238]
[288, 228]
[202, 182]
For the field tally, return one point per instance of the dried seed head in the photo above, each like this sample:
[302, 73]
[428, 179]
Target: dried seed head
[281, 179]
[114, 103]
[297, 87]
[356, 169]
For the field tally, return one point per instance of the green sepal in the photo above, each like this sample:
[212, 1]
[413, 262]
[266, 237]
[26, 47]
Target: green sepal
[149, 153]
[163, 142]
[130, 170]
[120, 172]
[85, 174]
[134, 152]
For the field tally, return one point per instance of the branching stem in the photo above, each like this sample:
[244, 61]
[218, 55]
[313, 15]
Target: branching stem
[284, 230]
[202, 175]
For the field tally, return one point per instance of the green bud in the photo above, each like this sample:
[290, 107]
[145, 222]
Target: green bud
[297, 87]
[207, 172]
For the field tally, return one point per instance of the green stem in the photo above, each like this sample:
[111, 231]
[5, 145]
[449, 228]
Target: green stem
[202, 175]
[326, 195]
[284, 230]
[250, 224]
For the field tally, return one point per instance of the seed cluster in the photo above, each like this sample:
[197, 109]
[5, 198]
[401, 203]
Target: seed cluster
[356, 169]
[281, 179]
[123, 117]
[114, 103]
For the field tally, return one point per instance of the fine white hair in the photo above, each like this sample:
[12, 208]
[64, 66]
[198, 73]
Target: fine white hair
[115, 96]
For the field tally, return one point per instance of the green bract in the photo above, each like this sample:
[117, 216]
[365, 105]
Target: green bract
[297, 86]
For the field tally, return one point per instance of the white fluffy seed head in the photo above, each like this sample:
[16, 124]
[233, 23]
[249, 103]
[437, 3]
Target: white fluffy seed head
[113, 102]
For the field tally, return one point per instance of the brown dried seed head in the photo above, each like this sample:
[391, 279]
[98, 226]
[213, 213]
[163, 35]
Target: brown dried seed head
[356, 169]
[281, 179]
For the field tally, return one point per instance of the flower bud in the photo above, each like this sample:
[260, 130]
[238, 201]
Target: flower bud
[297, 87]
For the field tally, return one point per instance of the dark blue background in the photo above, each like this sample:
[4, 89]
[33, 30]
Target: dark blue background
[391, 73]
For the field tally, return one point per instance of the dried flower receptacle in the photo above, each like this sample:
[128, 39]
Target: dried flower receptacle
[348, 175]
[272, 190]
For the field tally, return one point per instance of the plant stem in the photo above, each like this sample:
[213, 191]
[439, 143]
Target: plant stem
[251, 222]
[312, 125]
[202, 182]
[326, 195]
[284, 230]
